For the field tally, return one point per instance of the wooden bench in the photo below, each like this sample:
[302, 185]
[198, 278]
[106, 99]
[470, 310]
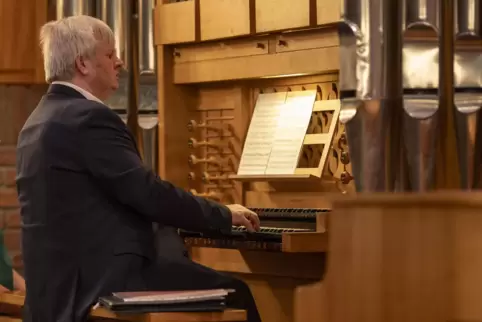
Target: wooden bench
[16, 300]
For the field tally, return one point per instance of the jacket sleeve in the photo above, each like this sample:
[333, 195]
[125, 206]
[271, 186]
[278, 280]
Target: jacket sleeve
[112, 159]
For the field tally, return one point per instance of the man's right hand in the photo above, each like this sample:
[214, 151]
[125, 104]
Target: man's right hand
[242, 216]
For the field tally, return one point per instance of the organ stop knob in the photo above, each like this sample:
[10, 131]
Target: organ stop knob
[193, 143]
[193, 125]
[193, 160]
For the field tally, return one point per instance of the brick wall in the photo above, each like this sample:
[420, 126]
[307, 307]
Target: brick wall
[16, 104]
[9, 212]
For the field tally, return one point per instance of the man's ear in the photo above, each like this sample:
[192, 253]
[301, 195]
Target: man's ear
[82, 65]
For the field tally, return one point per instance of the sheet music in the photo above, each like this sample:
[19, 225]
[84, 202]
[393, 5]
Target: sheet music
[260, 137]
[292, 126]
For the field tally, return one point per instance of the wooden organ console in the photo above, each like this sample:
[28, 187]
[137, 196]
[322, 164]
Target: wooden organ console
[215, 58]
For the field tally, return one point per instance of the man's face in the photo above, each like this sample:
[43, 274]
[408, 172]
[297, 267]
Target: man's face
[104, 69]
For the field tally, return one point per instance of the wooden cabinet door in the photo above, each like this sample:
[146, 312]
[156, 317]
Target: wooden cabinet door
[20, 54]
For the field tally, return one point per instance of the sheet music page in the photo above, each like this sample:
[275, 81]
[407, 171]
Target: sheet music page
[292, 126]
[261, 132]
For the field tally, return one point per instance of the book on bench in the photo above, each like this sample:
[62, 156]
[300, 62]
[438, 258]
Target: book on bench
[166, 301]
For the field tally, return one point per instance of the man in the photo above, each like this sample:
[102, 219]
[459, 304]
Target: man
[87, 201]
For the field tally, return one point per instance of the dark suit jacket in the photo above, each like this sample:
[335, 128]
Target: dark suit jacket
[87, 205]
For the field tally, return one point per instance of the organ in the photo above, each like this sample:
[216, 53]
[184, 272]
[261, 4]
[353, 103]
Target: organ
[221, 65]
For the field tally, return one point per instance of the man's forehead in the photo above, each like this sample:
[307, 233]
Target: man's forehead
[104, 36]
[106, 44]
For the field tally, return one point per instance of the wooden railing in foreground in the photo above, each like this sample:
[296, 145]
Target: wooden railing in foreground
[13, 303]
[406, 257]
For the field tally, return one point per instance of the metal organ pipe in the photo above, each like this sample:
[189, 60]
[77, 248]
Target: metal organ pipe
[468, 90]
[420, 83]
[421, 12]
[468, 18]
[67, 8]
[118, 15]
[366, 108]
[147, 52]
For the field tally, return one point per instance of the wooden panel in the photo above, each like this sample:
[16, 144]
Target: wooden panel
[175, 23]
[288, 299]
[20, 57]
[226, 316]
[307, 40]
[286, 287]
[327, 11]
[174, 106]
[322, 60]
[224, 18]
[406, 257]
[228, 49]
[308, 266]
[313, 242]
[16, 104]
[274, 15]
[292, 199]
[18, 76]
[299, 81]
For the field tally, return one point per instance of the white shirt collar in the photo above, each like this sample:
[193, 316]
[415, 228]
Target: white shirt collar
[82, 91]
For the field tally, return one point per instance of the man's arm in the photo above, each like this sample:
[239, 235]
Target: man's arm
[112, 159]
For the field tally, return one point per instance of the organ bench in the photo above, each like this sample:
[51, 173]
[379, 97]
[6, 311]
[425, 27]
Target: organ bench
[15, 301]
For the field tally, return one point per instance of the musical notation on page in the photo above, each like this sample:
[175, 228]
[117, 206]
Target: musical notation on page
[292, 126]
[276, 133]
[260, 137]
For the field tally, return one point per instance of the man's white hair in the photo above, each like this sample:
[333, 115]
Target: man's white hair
[64, 40]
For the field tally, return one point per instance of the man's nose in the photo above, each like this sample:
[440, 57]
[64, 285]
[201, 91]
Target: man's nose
[119, 63]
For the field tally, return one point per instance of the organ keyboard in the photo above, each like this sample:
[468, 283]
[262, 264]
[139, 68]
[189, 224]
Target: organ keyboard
[275, 222]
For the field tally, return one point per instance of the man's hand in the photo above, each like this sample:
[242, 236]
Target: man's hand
[244, 217]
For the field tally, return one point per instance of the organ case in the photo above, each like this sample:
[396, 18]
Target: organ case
[214, 60]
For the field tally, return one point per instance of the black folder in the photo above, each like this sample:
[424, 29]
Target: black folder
[167, 301]
[117, 305]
